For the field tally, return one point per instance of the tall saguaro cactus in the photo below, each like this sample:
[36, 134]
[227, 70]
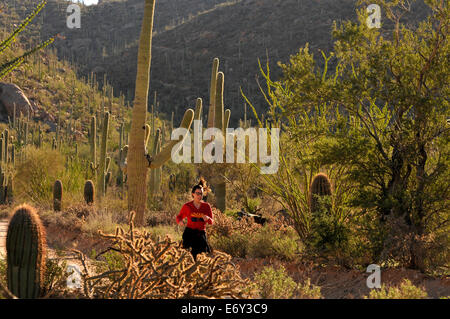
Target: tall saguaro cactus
[218, 118]
[137, 163]
[93, 145]
[104, 162]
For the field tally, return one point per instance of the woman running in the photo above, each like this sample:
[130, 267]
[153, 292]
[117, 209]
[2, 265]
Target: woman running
[198, 214]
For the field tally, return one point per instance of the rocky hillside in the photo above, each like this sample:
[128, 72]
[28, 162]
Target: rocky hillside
[188, 35]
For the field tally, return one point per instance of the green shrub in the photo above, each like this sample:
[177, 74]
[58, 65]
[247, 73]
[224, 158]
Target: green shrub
[252, 204]
[274, 284]
[308, 291]
[328, 233]
[406, 290]
[269, 242]
[236, 245]
[37, 173]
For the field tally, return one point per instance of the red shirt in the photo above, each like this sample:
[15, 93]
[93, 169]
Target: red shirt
[194, 215]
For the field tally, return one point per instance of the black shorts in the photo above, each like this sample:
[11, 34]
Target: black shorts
[195, 239]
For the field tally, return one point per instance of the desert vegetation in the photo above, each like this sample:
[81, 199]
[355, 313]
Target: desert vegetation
[87, 179]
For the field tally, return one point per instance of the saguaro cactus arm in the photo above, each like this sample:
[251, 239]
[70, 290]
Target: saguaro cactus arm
[166, 152]
[212, 92]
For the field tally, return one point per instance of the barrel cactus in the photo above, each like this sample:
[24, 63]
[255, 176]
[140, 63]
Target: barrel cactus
[26, 253]
[320, 187]
[57, 195]
[89, 192]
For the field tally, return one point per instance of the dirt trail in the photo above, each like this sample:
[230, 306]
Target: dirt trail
[68, 256]
[3, 232]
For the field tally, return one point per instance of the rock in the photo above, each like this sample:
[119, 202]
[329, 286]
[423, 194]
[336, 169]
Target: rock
[81, 43]
[98, 69]
[11, 94]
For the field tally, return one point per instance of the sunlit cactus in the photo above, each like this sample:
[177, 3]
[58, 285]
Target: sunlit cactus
[26, 253]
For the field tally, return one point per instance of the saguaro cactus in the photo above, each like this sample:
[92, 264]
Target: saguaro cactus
[137, 162]
[155, 174]
[218, 118]
[57, 195]
[104, 162]
[320, 187]
[93, 145]
[26, 253]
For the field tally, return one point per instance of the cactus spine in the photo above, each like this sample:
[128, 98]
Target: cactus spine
[26, 253]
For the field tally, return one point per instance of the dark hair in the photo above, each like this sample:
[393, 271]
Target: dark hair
[198, 186]
[201, 185]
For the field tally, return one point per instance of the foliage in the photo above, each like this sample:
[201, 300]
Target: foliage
[8, 66]
[378, 122]
[55, 279]
[252, 205]
[246, 239]
[406, 290]
[274, 242]
[274, 283]
[277, 284]
[308, 291]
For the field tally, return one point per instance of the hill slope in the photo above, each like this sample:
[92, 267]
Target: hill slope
[189, 34]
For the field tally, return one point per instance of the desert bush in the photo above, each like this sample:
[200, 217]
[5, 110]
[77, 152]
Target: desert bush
[272, 242]
[274, 283]
[236, 245]
[252, 205]
[307, 291]
[102, 219]
[55, 278]
[406, 290]
[161, 269]
[230, 235]
[328, 232]
[37, 173]
[244, 238]
[277, 284]
[225, 225]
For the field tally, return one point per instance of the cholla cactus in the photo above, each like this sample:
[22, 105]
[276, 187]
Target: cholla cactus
[163, 269]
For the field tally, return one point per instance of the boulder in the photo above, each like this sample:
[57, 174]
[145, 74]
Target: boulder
[11, 94]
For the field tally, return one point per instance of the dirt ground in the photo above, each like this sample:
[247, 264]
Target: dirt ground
[335, 282]
[338, 283]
